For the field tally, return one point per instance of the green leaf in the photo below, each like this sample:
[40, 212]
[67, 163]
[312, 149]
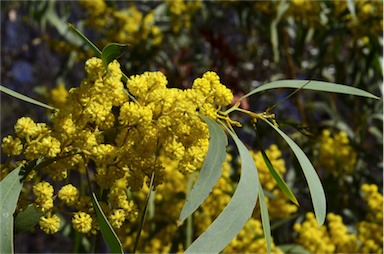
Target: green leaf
[315, 187]
[10, 188]
[113, 51]
[24, 98]
[27, 218]
[109, 51]
[239, 209]
[211, 170]
[106, 229]
[279, 180]
[265, 219]
[95, 49]
[312, 85]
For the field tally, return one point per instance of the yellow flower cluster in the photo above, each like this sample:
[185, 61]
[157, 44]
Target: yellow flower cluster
[343, 241]
[39, 140]
[335, 238]
[279, 206]
[319, 240]
[118, 134]
[370, 231]
[336, 154]
[129, 26]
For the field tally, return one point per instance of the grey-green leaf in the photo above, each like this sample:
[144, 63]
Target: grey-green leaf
[10, 188]
[211, 170]
[265, 219]
[239, 209]
[312, 85]
[106, 229]
[24, 98]
[27, 218]
[315, 187]
[113, 51]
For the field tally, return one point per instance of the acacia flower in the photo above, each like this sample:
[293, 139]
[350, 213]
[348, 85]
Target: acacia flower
[68, 194]
[82, 222]
[50, 224]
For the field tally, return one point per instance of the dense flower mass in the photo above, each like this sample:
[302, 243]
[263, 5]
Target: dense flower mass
[120, 135]
[336, 237]
[370, 230]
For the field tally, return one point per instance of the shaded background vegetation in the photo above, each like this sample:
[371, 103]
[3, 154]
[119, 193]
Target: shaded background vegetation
[247, 43]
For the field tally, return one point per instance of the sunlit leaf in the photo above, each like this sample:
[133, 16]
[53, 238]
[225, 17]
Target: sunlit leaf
[106, 229]
[10, 188]
[239, 209]
[113, 51]
[315, 187]
[24, 98]
[211, 170]
[27, 218]
[265, 218]
[312, 85]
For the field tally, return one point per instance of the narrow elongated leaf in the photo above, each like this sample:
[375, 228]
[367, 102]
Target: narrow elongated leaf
[10, 188]
[239, 209]
[27, 219]
[106, 229]
[92, 46]
[265, 218]
[113, 51]
[279, 180]
[312, 85]
[315, 187]
[211, 170]
[24, 98]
